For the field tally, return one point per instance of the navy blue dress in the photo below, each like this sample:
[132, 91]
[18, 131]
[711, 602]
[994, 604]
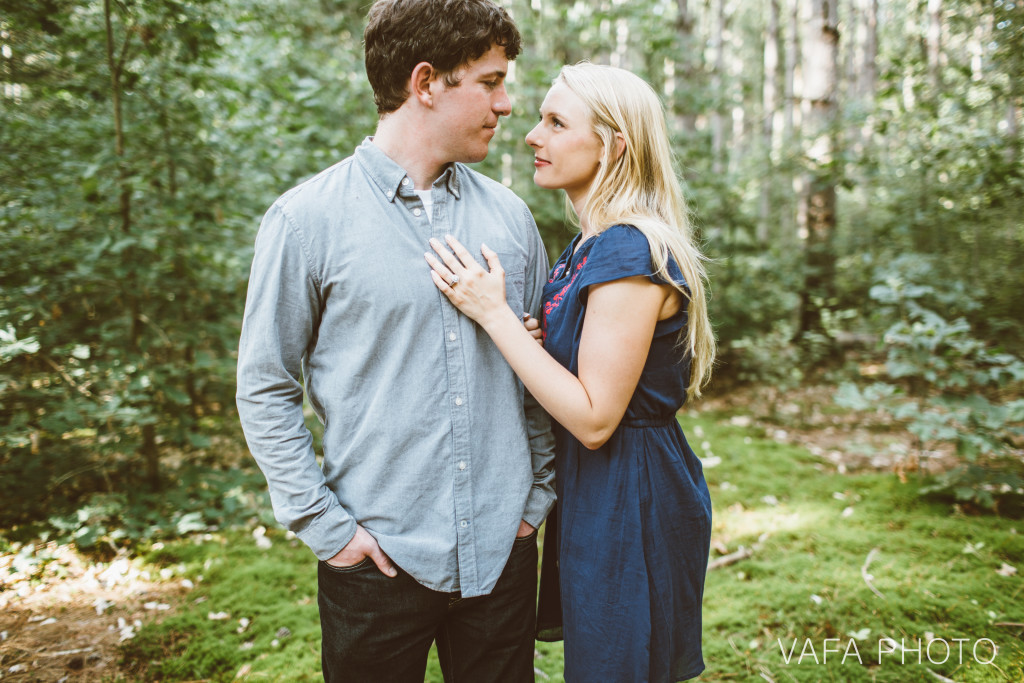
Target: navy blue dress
[632, 527]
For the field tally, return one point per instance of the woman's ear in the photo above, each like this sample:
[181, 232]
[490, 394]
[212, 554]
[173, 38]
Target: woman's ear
[423, 74]
[620, 144]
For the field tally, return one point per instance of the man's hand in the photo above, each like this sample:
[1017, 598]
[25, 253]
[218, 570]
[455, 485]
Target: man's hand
[524, 529]
[364, 545]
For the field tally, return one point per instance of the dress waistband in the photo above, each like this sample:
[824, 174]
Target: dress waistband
[647, 421]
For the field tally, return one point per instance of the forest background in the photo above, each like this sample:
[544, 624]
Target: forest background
[854, 169]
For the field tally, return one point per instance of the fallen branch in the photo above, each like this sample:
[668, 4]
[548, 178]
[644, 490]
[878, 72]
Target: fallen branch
[741, 554]
[867, 577]
[725, 560]
[63, 653]
[1008, 624]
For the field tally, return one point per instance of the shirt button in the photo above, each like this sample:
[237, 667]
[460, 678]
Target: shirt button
[405, 181]
[463, 524]
[462, 465]
[416, 212]
[451, 336]
[390, 194]
[458, 400]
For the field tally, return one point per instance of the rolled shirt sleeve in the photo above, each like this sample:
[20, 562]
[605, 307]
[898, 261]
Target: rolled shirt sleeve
[281, 319]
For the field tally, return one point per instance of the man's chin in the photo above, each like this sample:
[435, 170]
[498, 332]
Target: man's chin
[476, 157]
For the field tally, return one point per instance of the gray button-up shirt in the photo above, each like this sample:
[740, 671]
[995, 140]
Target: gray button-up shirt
[430, 442]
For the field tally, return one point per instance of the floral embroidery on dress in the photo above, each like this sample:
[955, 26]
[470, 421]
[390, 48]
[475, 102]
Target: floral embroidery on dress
[557, 298]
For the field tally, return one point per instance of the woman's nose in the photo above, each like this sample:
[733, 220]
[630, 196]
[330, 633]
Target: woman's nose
[531, 138]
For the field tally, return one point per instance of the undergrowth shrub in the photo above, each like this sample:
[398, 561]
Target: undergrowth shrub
[948, 386]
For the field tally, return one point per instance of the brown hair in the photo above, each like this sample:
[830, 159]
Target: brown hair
[446, 33]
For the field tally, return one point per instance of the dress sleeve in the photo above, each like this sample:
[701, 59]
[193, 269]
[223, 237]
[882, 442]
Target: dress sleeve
[619, 252]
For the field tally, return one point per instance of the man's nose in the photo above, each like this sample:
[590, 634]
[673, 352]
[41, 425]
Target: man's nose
[502, 105]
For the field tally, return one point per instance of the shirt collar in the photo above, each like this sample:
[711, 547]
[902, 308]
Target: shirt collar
[387, 175]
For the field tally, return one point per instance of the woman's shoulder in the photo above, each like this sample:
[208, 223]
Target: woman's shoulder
[622, 238]
[628, 248]
[619, 251]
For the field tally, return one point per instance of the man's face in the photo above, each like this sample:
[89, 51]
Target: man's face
[467, 114]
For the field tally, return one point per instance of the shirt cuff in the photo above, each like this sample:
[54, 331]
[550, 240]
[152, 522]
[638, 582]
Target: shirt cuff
[538, 505]
[329, 533]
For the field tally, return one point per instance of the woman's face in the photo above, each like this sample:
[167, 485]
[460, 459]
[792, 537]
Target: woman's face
[566, 148]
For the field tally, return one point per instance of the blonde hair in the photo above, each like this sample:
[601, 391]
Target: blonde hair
[640, 188]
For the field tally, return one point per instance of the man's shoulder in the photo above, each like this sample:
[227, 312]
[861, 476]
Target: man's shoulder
[317, 191]
[473, 181]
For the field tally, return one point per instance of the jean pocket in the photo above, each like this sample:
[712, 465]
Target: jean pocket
[526, 540]
[359, 566]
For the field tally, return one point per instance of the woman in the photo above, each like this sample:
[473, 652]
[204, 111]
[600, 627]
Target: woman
[627, 330]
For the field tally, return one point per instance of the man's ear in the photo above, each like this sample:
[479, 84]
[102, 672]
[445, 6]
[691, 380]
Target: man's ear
[423, 74]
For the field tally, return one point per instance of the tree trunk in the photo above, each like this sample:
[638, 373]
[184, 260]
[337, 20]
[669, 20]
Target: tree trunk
[792, 66]
[687, 66]
[867, 79]
[869, 69]
[149, 449]
[769, 97]
[935, 45]
[717, 115]
[820, 108]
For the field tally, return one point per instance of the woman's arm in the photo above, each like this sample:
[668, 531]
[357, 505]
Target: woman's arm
[616, 338]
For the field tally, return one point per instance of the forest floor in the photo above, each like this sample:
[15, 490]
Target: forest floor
[64, 617]
[849, 441]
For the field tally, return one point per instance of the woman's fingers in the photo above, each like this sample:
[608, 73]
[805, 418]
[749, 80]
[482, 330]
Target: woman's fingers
[464, 256]
[493, 262]
[447, 276]
[442, 284]
[451, 260]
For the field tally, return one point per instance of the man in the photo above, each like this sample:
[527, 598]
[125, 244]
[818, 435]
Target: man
[437, 470]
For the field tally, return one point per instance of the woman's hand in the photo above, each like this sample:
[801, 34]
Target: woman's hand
[478, 293]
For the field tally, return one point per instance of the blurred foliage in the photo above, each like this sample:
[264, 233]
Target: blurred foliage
[948, 386]
[124, 266]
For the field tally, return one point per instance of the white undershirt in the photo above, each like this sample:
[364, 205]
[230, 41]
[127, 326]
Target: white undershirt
[428, 203]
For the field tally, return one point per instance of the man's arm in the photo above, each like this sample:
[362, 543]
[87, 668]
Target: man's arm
[282, 314]
[538, 424]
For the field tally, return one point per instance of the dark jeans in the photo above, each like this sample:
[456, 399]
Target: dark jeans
[379, 630]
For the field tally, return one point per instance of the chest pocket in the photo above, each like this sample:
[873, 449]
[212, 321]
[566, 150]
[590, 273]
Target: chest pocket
[515, 280]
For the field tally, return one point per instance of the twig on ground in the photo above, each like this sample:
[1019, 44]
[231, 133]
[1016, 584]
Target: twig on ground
[867, 577]
[62, 653]
[741, 554]
[725, 560]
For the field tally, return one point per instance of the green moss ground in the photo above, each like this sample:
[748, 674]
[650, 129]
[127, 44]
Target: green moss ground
[812, 531]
